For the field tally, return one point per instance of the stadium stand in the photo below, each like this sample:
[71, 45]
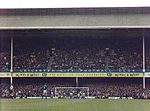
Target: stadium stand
[88, 55]
[68, 53]
[104, 54]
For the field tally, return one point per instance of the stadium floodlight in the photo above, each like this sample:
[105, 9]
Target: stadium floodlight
[72, 92]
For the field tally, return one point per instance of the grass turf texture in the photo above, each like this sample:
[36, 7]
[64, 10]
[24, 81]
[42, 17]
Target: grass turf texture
[73, 105]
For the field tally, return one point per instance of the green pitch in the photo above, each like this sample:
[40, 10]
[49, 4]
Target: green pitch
[73, 105]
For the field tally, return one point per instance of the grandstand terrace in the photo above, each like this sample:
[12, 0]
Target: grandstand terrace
[75, 50]
[80, 51]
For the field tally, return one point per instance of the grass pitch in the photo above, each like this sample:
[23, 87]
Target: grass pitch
[73, 105]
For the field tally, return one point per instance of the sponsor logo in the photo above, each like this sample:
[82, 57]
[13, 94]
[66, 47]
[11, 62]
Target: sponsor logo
[44, 74]
[109, 74]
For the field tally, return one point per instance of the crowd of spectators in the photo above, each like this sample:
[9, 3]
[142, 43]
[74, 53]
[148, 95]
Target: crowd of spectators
[4, 89]
[100, 88]
[119, 90]
[147, 60]
[31, 60]
[4, 61]
[77, 55]
[113, 59]
[76, 60]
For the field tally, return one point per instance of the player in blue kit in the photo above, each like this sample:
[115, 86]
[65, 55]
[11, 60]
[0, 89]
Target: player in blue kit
[45, 87]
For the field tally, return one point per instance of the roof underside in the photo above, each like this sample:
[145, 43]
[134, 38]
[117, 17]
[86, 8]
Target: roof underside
[76, 33]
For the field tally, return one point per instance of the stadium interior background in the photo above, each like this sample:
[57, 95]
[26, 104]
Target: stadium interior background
[105, 49]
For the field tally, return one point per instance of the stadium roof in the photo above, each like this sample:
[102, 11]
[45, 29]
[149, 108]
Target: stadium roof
[75, 18]
[76, 11]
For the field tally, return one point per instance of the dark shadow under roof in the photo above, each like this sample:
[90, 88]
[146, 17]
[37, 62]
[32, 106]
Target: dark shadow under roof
[76, 33]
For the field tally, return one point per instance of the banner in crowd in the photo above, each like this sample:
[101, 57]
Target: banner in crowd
[5, 74]
[147, 74]
[96, 74]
